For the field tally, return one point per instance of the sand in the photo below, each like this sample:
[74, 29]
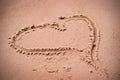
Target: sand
[51, 40]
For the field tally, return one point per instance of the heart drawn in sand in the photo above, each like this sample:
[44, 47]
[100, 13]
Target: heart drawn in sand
[64, 31]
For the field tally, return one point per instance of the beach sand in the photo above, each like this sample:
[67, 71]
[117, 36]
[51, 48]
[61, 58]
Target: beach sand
[78, 60]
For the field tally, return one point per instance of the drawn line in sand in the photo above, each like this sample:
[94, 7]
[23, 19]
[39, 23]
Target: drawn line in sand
[90, 55]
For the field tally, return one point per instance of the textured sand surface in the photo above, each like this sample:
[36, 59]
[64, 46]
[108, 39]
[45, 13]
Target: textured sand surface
[69, 65]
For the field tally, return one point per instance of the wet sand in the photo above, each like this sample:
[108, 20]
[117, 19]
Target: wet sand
[52, 40]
